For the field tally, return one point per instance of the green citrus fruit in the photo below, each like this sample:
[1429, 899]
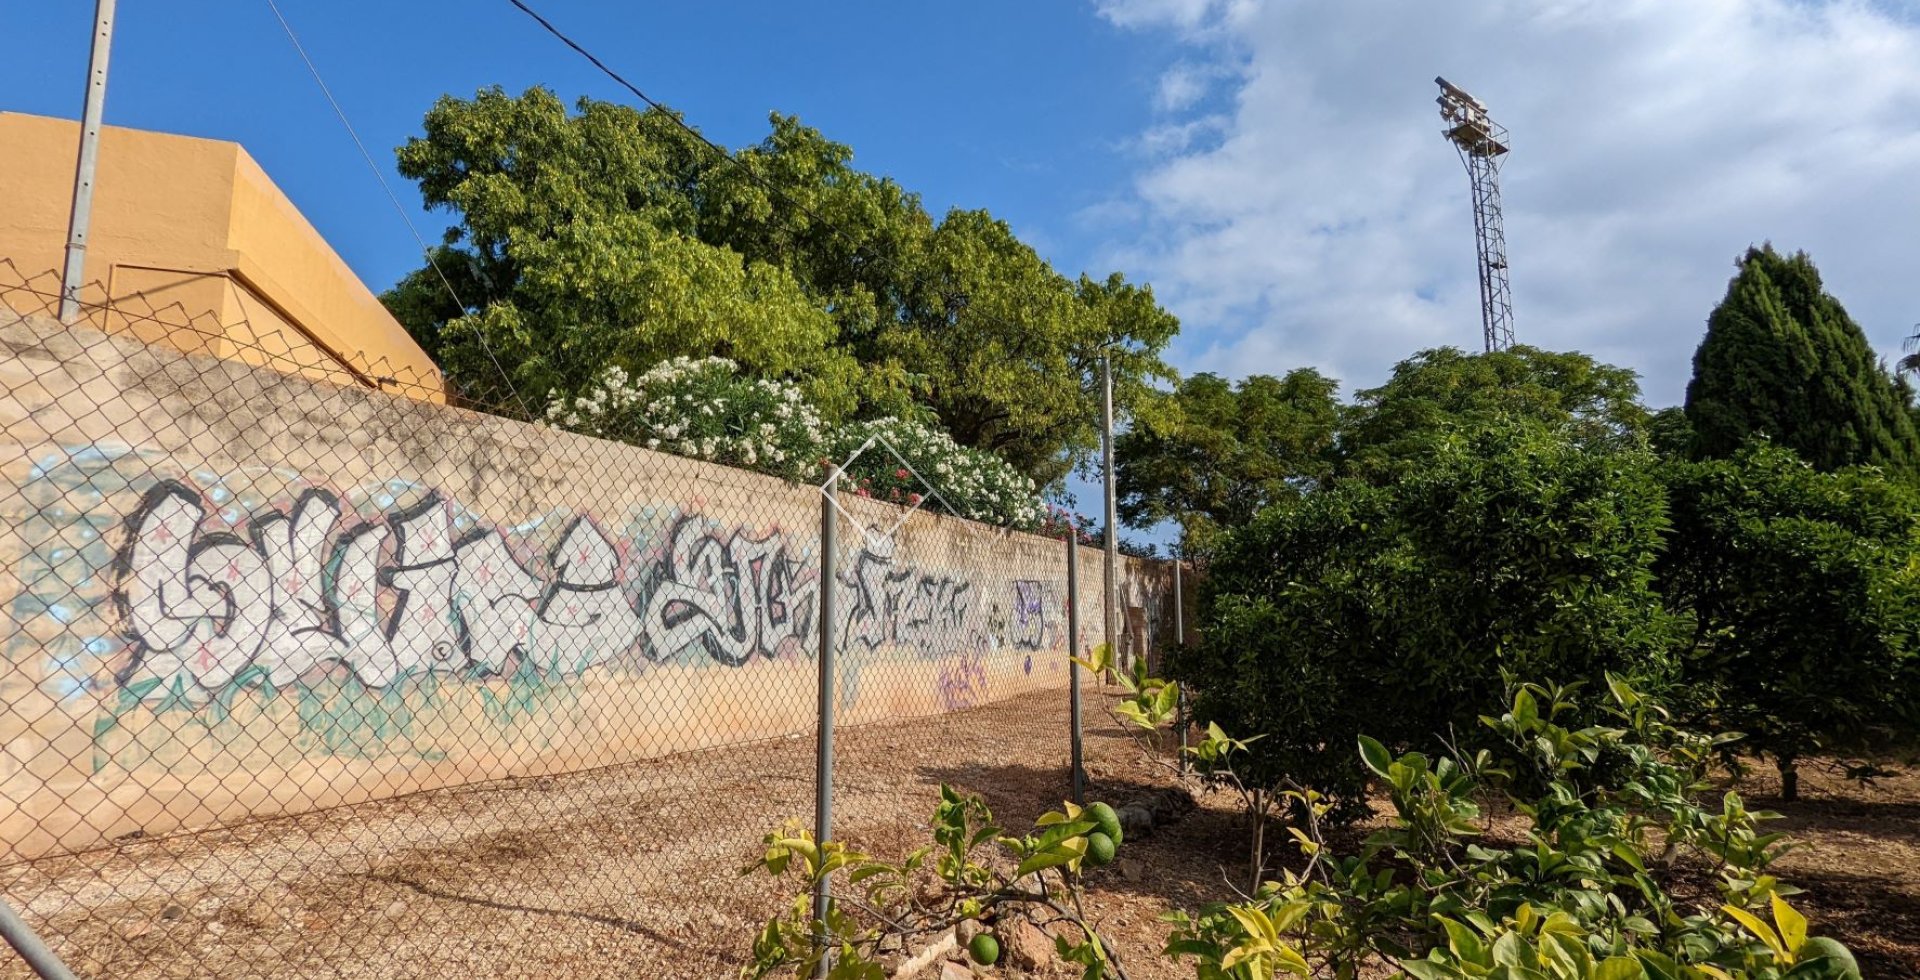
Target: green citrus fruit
[984, 949]
[1099, 849]
[1839, 960]
[1107, 821]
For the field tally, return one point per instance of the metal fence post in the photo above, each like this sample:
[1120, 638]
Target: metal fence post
[24, 941]
[1180, 638]
[823, 772]
[1073, 666]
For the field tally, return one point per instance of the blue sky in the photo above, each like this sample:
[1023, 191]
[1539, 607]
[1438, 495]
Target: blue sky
[1027, 109]
[1023, 108]
[1273, 167]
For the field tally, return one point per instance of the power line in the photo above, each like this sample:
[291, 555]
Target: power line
[397, 207]
[726, 155]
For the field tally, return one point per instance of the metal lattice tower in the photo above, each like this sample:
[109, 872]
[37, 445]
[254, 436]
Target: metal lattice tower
[1482, 144]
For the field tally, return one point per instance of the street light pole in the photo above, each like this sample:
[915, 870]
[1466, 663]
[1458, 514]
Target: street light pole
[1109, 602]
[75, 270]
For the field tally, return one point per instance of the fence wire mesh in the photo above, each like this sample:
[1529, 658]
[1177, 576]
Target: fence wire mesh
[309, 673]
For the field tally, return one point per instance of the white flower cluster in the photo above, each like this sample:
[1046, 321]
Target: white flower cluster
[977, 484]
[704, 409]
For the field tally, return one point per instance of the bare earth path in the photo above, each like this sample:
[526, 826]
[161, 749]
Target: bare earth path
[632, 871]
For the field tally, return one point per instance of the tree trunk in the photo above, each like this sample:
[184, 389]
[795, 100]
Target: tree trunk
[1259, 843]
[1789, 780]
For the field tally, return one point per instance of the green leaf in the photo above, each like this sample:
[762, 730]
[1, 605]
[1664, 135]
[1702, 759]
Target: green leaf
[1618, 968]
[1375, 755]
[1464, 943]
[1525, 711]
[1052, 857]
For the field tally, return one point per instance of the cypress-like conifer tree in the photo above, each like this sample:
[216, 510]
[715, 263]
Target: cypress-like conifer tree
[1783, 361]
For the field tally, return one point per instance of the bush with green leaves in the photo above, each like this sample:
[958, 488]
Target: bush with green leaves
[1396, 609]
[973, 880]
[704, 409]
[1604, 880]
[903, 459]
[1803, 592]
[1603, 883]
[707, 409]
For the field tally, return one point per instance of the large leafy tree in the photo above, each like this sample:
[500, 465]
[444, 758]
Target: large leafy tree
[575, 250]
[1223, 451]
[1440, 393]
[607, 235]
[1803, 588]
[1395, 609]
[1782, 360]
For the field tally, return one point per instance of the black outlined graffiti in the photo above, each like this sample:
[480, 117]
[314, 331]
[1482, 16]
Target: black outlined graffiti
[900, 607]
[207, 605]
[315, 585]
[730, 595]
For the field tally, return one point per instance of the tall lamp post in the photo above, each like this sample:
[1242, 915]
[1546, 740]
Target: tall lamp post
[75, 269]
[1111, 596]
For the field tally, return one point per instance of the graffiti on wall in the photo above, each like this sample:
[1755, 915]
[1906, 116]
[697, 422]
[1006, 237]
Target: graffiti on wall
[377, 619]
[894, 606]
[731, 595]
[311, 585]
[386, 598]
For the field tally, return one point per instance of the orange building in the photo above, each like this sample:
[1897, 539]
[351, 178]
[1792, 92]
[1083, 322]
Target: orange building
[191, 245]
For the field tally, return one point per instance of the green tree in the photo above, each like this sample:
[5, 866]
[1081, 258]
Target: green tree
[575, 251]
[1783, 361]
[1803, 589]
[1669, 434]
[1395, 609]
[610, 236]
[1007, 351]
[1442, 392]
[1224, 451]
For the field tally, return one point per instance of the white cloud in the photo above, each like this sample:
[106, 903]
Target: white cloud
[1183, 85]
[1185, 14]
[1179, 137]
[1322, 219]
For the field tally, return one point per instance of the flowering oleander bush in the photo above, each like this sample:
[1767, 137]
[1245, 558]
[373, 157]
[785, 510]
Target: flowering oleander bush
[704, 409]
[976, 485]
[1058, 522]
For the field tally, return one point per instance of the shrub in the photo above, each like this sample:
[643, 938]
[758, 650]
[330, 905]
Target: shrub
[1803, 591]
[1620, 874]
[1396, 609]
[1605, 882]
[976, 485]
[703, 409]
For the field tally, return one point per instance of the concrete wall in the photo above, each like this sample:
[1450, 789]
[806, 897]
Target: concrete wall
[196, 224]
[234, 592]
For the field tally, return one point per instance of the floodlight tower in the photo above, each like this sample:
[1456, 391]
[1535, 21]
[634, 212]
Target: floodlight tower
[1482, 143]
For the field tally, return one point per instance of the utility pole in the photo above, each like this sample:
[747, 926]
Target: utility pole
[1482, 144]
[72, 276]
[1113, 534]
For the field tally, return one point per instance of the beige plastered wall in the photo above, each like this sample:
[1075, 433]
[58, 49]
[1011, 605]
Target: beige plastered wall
[94, 421]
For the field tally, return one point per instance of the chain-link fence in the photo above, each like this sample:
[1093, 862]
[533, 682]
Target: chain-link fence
[309, 673]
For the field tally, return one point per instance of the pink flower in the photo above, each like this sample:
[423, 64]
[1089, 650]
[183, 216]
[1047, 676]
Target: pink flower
[901, 473]
[862, 491]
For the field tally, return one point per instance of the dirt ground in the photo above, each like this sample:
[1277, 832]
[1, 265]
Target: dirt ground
[633, 871]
